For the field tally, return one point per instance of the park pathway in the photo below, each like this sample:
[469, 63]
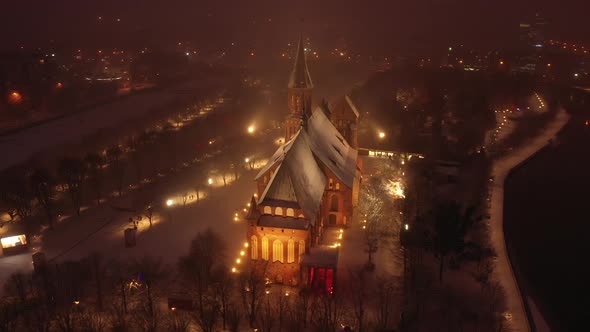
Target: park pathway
[516, 315]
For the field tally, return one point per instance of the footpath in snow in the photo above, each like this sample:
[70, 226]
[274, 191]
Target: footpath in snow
[516, 312]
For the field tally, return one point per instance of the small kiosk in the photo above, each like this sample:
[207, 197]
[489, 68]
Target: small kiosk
[13, 239]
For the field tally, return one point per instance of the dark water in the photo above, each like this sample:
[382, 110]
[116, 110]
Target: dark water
[547, 224]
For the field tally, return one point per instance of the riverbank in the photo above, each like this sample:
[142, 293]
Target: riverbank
[517, 313]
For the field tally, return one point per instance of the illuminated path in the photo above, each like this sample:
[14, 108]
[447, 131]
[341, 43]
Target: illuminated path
[516, 312]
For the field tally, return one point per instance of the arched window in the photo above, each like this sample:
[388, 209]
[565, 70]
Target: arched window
[290, 212]
[290, 251]
[301, 247]
[267, 210]
[279, 211]
[337, 185]
[334, 203]
[254, 247]
[277, 251]
[265, 248]
[301, 215]
[330, 183]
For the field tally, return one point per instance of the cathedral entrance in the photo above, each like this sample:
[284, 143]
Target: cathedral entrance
[332, 219]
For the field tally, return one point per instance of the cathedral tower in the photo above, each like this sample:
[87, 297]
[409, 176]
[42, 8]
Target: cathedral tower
[299, 94]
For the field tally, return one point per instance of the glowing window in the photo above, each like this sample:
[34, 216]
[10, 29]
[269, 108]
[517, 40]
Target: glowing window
[337, 185]
[290, 251]
[277, 251]
[279, 211]
[301, 247]
[301, 215]
[265, 248]
[267, 210]
[254, 247]
[290, 212]
[330, 183]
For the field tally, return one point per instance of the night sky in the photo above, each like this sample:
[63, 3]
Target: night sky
[375, 26]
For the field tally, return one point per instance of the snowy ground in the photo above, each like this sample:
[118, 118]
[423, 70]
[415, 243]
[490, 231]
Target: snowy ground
[505, 123]
[100, 229]
[515, 314]
[20, 146]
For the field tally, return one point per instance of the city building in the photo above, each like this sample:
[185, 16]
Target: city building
[532, 41]
[309, 184]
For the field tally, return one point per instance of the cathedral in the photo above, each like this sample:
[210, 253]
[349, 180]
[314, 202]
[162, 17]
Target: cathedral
[309, 184]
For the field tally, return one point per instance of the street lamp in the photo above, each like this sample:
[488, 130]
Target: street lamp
[210, 181]
[381, 135]
[169, 202]
[251, 129]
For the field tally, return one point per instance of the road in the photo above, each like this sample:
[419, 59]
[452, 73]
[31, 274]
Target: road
[20, 146]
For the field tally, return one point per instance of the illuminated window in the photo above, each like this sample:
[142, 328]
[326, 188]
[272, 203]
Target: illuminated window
[337, 185]
[301, 247]
[301, 215]
[279, 211]
[13, 241]
[254, 247]
[267, 210]
[330, 183]
[265, 248]
[277, 251]
[290, 212]
[290, 251]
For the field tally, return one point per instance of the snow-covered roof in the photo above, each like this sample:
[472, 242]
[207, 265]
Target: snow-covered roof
[351, 105]
[298, 178]
[331, 148]
[277, 157]
[300, 75]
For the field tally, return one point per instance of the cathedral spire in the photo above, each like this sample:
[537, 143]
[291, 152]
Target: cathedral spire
[300, 78]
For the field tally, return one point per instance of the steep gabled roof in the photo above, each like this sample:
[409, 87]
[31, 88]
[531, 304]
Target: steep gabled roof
[298, 179]
[351, 105]
[277, 157]
[331, 148]
[300, 77]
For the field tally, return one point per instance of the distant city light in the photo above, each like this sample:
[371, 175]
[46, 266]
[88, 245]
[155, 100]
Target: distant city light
[247, 160]
[15, 97]
[169, 202]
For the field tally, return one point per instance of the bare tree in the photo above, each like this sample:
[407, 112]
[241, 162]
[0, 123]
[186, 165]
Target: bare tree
[42, 183]
[178, 322]
[358, 293]
[372, 236]
[72, 172]
[207, 248]
[16, 195]
[252, 284]
[114, 154]
[223, 285]
[385, 293]
[151, 272]
[95, 163]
